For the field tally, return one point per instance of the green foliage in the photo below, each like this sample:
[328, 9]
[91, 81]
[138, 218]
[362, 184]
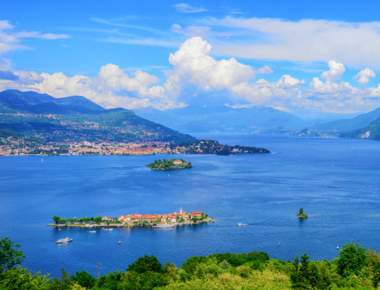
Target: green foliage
[355, 268]
[310, 275]
[84, 279]
[376, 275]
[302, 215]
[145, 264]
[10, 255]
[57, 220]
[191, 263]
[169, 164]
[254, 259]
[82, 220]
[352, 258]
[21, 279]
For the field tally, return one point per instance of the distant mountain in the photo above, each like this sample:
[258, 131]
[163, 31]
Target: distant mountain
[225, 120]
[40, 116]
[372, 131]
[32, 102]
[351, 124]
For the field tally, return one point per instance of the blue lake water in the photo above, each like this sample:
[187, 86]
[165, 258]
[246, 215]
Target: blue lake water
[336, 181]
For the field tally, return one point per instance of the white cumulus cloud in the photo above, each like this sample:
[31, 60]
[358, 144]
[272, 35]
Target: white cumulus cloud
[336, 71]
[365, 75]
[192, 66]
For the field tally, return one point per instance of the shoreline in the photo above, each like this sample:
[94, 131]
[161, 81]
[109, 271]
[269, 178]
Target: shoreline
[127, 226]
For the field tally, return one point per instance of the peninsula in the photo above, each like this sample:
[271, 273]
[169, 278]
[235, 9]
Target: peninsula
[180, 218]
[169, 164]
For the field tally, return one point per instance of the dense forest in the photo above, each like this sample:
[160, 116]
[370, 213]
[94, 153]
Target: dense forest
[354, 268]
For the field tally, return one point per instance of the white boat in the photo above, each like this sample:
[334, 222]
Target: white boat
[119, 242]
[241, 225]
[165, 226]
[108, 229]
[64, 241]
[92, 232]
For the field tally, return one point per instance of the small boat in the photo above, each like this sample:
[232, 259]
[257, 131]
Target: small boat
[64, 241]
[337, 247]
[92, 232]
[242, 225]
[108, 229]
[165, 226]
[119, 242]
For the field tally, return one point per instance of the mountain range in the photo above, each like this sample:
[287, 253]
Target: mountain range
[33, 123]
[75, 119]
[365, 126]
[220, 119]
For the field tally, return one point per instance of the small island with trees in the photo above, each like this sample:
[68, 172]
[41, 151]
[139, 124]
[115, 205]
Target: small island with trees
[302, 215]
[169, 164]
[174, 219]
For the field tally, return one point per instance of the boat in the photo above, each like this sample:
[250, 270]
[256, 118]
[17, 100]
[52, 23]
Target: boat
[92, 232]
[108, 229]
[165, 226]
[119, 242]
[241, 225]
[64, 241]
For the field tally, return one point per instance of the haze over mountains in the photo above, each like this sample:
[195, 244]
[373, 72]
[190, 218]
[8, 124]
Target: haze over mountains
[351, 124]
[220, 119]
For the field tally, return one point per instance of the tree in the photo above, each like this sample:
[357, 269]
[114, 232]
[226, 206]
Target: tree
[98, 219]
[21, 279]
[56, 219]
[84, 279]
[302, 215]
[145, 264]
[376, 275]
[351, 260]
[10, 255]
[300, 275]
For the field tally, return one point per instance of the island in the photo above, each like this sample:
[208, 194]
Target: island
[174, 219]
[169, 164]
[302, 215]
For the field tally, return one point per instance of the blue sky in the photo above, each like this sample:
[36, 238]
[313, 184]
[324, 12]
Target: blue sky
[297, 56]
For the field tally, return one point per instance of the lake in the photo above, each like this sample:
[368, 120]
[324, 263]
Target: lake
[337, 181]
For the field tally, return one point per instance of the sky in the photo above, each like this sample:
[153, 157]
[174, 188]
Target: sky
[298, 56]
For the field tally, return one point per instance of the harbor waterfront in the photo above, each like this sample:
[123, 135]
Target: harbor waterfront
[253, 198]
[174, 219]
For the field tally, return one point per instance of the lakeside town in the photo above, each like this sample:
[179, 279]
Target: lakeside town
[174, 219]
[16, 146]
[11, 146]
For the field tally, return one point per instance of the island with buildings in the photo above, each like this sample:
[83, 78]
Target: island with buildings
[169, 164]
[174, 219]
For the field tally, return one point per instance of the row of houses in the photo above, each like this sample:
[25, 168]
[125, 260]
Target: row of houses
[180, 216]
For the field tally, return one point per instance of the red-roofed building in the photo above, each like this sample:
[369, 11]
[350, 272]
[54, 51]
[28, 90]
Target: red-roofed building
[196, 214]
[136, 216]
[124, 218]
[150, 217]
